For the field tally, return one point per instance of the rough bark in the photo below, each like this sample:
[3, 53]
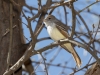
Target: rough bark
[17, 50]
[93, 70]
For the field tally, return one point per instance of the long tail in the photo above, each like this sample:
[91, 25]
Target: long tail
[70, 49]
[77, 59]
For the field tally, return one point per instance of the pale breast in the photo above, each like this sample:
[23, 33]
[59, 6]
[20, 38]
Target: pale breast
[54, 33]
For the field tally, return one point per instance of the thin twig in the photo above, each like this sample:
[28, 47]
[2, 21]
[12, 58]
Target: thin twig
[88, 6]
[30, 28]
[83, 22]
[65, 14]
[97, 29]
[10, 43]
[8, 30]
[55, 65]
[83, 68]
[41, 39]
[54, 56]
[44, 63]
[39, 4]
[73, 20]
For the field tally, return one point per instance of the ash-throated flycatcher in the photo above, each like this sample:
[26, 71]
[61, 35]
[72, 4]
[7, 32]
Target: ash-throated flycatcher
[57, 31]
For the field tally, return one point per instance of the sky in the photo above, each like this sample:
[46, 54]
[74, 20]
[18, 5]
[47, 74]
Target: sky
[63, 56]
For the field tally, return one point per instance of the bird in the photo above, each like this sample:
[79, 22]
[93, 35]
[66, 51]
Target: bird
[57, 31]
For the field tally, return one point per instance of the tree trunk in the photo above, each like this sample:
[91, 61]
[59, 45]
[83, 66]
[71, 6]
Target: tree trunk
[17, 45]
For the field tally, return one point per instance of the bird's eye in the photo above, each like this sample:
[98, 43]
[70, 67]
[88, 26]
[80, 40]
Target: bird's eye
[49, 18]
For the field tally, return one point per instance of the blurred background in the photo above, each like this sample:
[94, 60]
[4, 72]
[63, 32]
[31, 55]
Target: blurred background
[57, 60]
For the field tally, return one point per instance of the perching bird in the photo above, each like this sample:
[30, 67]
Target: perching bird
[57, 31]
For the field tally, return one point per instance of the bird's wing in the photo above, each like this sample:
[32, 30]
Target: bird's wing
[62, 30]
[62, 26]
[64, 33]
